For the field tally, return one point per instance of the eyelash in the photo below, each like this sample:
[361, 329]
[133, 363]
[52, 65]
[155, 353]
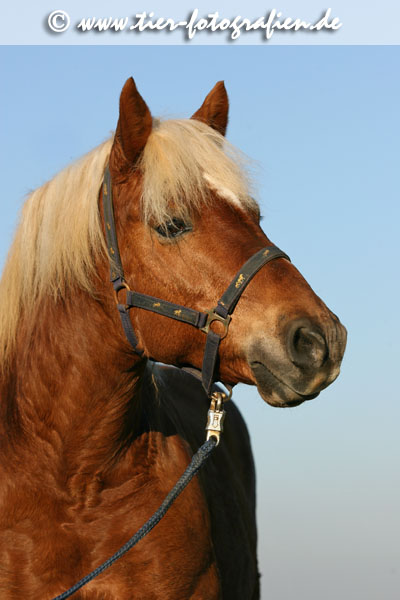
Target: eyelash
[173, 228]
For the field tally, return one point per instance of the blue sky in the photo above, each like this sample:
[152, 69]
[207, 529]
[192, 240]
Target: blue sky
[323, 125]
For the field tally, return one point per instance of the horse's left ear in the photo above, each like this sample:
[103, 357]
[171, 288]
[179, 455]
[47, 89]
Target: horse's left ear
[214, 110]
[133, 129]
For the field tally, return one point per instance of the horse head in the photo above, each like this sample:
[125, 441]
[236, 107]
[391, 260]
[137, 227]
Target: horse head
[186, 223]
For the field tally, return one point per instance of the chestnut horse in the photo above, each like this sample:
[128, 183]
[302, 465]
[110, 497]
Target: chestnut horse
[94, 435]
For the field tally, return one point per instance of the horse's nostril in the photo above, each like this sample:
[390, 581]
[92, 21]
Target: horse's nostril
[308, 348]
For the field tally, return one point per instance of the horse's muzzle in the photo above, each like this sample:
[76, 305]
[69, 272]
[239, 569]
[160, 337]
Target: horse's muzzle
[302, 362]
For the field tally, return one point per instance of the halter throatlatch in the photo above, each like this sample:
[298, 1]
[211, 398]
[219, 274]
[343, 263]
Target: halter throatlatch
[201, 320]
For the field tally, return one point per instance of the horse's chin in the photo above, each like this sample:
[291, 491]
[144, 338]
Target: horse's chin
[274, 391]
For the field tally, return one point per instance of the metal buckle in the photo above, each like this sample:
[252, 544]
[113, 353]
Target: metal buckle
[213, 316]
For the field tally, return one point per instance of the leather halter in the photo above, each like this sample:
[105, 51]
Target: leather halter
[201, 320]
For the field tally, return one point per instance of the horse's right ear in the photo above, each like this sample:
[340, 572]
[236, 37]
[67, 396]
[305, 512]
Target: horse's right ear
[133, 129]
[214, 110]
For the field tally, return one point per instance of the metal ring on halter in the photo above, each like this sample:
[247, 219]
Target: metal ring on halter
[224, 395]
[121, 286]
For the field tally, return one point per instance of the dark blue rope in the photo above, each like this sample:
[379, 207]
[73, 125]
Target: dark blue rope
[196, 463]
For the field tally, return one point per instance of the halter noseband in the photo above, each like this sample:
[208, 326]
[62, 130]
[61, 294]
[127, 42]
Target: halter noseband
[201, 320]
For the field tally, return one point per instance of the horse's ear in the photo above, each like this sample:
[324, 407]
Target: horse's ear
[133, 129]
[214, 110]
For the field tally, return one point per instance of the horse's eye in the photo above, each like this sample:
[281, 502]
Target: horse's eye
[173, 228]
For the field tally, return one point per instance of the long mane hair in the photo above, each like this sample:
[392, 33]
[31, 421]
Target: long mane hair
[60, 231]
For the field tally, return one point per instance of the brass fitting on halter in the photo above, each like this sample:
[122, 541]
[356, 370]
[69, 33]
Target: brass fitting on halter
[122, 286]
[216, 415]
[214, 316]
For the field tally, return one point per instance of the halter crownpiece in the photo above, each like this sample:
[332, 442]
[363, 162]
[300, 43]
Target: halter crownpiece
[201, 320]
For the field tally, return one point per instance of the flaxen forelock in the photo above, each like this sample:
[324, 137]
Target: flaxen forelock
[180, 159]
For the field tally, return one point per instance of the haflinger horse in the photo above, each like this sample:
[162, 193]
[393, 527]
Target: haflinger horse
[94, 433]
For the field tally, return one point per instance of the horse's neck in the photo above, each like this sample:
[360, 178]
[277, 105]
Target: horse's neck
[74, 393]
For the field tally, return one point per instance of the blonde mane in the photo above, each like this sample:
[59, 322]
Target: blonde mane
[60, 232]
[57, 237]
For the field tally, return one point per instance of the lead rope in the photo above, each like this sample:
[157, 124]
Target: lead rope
[214, 428]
